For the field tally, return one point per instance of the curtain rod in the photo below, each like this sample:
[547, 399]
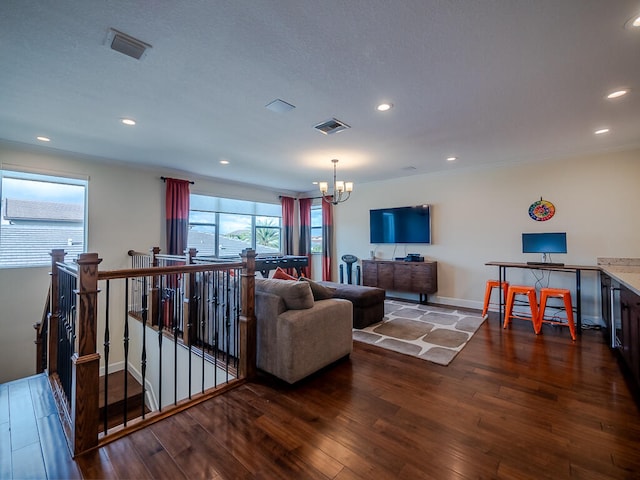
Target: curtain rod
[311, 198]
[164, 179]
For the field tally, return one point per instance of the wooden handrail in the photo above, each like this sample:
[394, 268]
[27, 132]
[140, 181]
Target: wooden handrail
[150, 271]
[133, 253]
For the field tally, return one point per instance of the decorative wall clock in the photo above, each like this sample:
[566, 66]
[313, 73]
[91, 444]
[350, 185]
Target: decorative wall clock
[542, 210]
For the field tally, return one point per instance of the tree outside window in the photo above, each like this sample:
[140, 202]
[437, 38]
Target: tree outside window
[227, 233]
[267, 234]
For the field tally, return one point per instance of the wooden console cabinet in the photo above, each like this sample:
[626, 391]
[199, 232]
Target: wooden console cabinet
[398, 276]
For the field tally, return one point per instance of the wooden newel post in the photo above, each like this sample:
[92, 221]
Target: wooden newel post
[248, 329]
[153, 304]
[86, 360]
[155, 251]
[57, 256]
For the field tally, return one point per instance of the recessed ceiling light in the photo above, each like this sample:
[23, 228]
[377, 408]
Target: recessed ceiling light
[451, 159]
[224, 162]
[633, 22]
[601, 131]
[618, 93]
[383, 107]
[128, 121]
[314, 183]
[43, 139]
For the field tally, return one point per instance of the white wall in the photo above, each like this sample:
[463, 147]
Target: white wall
[479, 215]
[126, 211]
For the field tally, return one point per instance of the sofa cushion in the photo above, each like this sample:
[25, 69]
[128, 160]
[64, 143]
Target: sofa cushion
[359, 295]
[280, 274]
[320, 292]
[296, 295]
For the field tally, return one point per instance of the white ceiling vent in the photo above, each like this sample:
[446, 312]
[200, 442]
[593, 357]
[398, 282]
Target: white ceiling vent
[126, 44]
[331, 126]
[279, 106]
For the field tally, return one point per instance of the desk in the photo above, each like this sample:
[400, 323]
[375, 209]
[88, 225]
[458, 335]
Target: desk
[502, 276]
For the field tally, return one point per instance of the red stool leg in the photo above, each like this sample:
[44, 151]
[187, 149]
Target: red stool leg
[533, 303]
[509, 308]
[487, 297]
[543, 306]
[569, 308]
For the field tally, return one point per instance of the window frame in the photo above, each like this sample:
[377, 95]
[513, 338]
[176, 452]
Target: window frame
[252, 210]
[49, 178]
[315, 209]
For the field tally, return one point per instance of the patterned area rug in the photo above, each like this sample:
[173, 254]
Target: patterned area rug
[432, 333]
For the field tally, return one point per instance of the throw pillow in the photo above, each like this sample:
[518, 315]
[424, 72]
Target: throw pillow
[296, 295]
[280, 274]
[320, 292]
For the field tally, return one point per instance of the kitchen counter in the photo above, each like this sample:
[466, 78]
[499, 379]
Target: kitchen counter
[624, 270]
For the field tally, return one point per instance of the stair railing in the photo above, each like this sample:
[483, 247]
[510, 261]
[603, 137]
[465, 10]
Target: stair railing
[42, 333]
[75, 357]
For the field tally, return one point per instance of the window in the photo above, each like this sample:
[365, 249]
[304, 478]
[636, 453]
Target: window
[268, 233]
[223, 227]
[316, 229]
[40, 213]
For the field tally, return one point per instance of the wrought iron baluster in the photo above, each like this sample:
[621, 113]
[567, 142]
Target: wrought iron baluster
[126, 348]
[107, 346]
[143, 359]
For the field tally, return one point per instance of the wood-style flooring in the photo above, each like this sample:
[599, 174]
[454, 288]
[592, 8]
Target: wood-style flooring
[511, 405]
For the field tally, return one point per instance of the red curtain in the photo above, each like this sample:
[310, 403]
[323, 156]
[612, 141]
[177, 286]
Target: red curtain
[177, 215]
[288, 220]
[327, 238]
[305, 232]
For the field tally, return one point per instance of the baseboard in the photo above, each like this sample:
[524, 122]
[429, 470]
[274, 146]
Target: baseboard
[442, 302]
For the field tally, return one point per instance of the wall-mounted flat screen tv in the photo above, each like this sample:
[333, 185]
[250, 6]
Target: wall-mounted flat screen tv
[544, 242]
[400, 225]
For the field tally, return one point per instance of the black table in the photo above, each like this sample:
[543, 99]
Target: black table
[265, 264]
[502, 276]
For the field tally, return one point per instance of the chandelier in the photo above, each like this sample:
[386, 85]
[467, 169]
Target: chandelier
[341, 190]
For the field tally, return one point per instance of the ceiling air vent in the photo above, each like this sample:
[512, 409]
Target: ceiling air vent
[279, 106]
[331, 126]
[126, 44]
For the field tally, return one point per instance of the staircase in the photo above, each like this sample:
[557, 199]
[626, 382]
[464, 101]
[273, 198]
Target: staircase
[116, 399]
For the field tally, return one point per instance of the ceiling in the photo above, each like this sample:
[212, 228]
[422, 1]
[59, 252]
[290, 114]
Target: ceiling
[490, 82]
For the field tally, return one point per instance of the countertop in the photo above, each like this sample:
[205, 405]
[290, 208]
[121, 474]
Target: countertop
[624, 270]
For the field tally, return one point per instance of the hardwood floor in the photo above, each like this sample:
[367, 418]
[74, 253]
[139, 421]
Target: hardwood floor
[32, 444]
[511, 405]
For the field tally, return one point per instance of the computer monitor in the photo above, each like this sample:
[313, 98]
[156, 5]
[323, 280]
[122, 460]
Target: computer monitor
[544, 243]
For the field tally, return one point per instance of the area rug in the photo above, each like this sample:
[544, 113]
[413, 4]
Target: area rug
[431, 333]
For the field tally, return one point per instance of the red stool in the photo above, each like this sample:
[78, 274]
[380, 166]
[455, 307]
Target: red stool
[491, 284]
[530, 292]
[565, 295]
